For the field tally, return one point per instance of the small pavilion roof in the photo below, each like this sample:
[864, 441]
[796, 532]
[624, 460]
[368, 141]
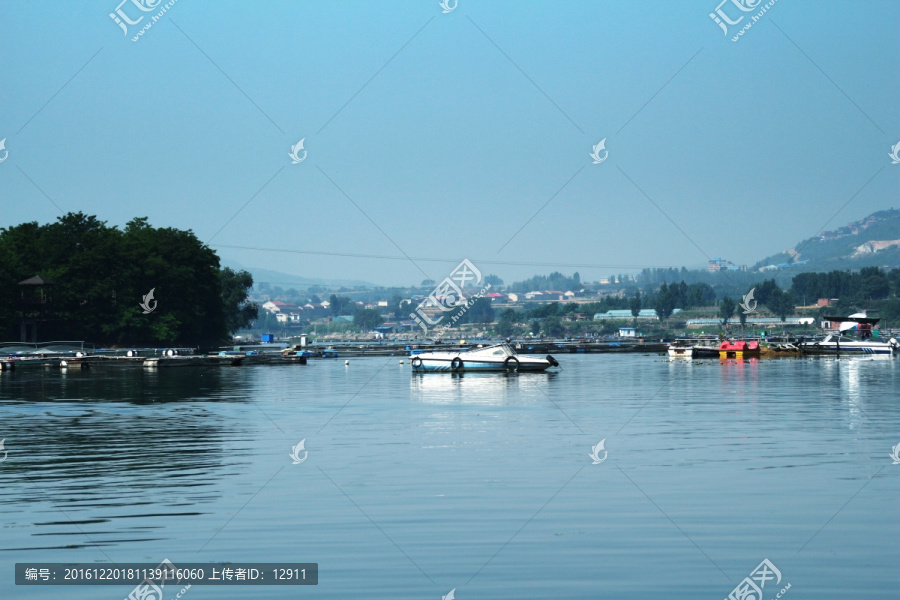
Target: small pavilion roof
[37, 280]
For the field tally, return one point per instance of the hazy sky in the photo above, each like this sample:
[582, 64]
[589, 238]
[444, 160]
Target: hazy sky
[442, 135]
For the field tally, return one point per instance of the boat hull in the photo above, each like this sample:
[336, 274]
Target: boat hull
[706, 351]
[739, 353]
[426, 365]
[848, 348]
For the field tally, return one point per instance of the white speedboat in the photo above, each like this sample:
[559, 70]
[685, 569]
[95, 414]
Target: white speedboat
[842, 344]
[838, 343]
[500, 357]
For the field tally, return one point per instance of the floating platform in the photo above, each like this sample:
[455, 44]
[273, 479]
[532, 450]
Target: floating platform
[192, 361]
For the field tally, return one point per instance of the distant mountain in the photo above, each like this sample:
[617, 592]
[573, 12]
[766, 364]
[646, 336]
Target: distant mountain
[286, 280]
[870, 242]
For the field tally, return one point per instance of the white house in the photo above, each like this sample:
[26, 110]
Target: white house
[276, 307]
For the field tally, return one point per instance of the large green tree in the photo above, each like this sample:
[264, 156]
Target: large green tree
[553, 327]
[479, 310]
[235, 286]
[781, 303]
[339, 305]
[507, 322]
[102, 275]
[665, 302]
[636, 306]
[726, 309]
[367, 319]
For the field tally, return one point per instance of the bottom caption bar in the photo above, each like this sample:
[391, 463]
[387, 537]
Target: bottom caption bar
[157, 576]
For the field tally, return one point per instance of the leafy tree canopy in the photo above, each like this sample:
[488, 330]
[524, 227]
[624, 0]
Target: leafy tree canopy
[367, 319]
[102, 275]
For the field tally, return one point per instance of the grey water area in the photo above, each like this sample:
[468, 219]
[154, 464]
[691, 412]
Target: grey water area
[492, 486]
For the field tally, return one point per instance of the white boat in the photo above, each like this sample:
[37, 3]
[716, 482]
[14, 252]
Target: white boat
[841, 344]
[499, 357]
[680, 349]
[838, 343]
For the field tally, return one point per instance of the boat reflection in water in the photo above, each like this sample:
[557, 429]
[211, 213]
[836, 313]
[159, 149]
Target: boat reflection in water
[740, 373]
[489, 389]
[854, 374]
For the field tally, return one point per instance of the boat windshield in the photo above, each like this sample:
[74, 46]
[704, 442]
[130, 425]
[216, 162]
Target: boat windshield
[843, 339]
[497, 350]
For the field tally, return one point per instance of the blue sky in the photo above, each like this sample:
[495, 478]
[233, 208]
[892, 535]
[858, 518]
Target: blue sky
[441, 135]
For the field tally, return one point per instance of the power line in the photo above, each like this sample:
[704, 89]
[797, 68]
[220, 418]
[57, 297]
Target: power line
[447, 260]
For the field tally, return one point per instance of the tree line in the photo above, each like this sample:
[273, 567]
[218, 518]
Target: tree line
[101, 276]
[553, 281]
[871, 288]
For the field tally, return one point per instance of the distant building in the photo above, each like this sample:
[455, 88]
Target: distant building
[781, 266]
[645, 314]
[613, 314]
[513, 297]
[291, 317]
[275, 307]
[763, 321]
[627, 332]
[718, 264]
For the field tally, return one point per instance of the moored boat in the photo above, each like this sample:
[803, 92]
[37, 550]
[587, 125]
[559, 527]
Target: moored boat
[739, 349]
[499, 357]
[706, 350]
[838, 343]
[680, 349]
[842, 344]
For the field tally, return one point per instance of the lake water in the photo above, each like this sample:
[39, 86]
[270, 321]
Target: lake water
[416, 485]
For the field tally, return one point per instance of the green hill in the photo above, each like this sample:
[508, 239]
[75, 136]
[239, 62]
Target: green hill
[863, 243]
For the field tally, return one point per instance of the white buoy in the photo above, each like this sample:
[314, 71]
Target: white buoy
[346, 363]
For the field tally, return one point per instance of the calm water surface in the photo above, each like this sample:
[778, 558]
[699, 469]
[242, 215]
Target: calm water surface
[415, 485]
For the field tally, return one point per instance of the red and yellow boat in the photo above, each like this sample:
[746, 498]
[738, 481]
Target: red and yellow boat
[741, 349]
